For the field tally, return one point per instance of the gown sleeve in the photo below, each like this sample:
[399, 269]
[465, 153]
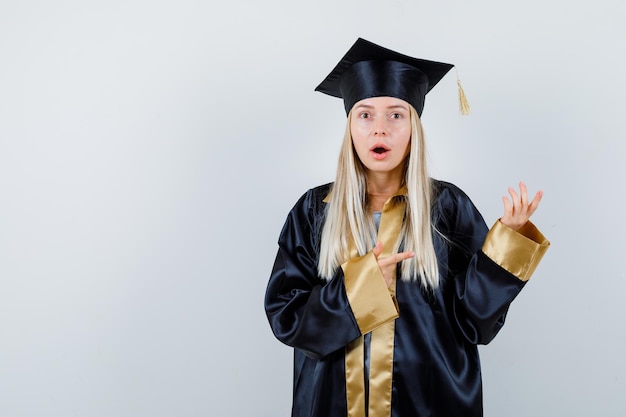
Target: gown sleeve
[311, 314]
[501, 260]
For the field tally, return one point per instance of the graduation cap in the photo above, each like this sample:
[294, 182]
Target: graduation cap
[369, 70]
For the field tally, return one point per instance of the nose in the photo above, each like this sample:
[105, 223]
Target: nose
[380, 127]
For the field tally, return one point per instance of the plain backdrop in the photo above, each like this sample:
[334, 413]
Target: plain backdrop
[150, 151]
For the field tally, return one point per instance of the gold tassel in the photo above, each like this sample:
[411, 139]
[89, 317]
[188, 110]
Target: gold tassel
[464, 107]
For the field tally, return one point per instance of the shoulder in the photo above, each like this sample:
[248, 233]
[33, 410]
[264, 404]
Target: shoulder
[307, 215]
[452, 209]
[313, 199]
[446, 194]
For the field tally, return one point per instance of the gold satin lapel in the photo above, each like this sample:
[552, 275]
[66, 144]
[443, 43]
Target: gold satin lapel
[381, 370]
[390, 225]
[355, 378]
[382, 342]
[355, 372]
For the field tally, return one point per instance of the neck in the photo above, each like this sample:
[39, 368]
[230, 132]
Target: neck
[381, 186]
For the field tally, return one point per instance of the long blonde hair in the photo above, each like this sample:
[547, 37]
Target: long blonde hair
[347, 216]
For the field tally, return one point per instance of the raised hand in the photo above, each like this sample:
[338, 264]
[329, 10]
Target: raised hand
[518, 210]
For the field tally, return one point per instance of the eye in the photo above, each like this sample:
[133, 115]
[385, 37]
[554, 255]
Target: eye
[396, 115]
[364, 115]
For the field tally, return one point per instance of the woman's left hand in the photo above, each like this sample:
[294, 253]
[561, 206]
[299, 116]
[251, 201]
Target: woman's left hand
[518, 211]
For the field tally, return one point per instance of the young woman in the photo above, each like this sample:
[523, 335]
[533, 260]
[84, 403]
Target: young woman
[387, 280]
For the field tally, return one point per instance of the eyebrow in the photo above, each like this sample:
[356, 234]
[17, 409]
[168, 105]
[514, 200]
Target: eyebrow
[392, 107]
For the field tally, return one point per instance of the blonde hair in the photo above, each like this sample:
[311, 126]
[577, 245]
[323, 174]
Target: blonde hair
[347, 217]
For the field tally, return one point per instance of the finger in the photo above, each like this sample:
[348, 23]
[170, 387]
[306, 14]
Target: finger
[394, 259]
[523, 193]
[378, 249]
[535, 203]
[508, 208]
[515, 199]
[537, 198]
[404, 255]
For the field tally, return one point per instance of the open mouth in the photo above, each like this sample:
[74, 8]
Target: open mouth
[379, 150]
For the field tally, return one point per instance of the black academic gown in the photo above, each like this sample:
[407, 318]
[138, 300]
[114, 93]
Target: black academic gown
[436, 368]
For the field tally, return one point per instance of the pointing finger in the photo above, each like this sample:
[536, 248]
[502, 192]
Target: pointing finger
[404, 255]
[394, 259]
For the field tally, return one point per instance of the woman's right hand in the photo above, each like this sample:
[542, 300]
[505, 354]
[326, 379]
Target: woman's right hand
[388, 264]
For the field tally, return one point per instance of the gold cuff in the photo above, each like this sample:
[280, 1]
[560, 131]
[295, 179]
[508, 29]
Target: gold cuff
[518, 252]
[367, 293]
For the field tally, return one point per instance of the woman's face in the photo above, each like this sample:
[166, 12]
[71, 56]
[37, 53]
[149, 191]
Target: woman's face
[381, 133]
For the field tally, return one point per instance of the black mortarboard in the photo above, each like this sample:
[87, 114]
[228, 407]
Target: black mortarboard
[369, 70]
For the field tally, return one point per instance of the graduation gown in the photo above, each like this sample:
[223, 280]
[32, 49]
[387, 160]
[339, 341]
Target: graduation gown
[430, 364]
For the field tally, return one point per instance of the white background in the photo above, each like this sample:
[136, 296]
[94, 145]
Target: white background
[150, 151]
